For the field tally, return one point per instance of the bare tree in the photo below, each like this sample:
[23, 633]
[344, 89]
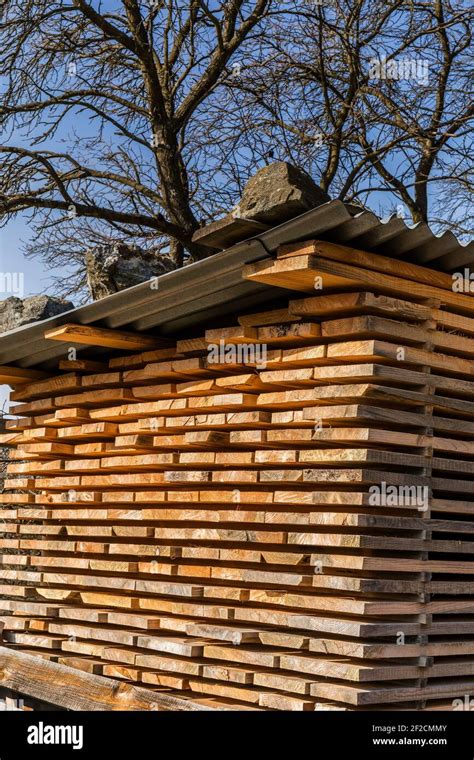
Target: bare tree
[101, 115]
[137, 119]
[375, 98]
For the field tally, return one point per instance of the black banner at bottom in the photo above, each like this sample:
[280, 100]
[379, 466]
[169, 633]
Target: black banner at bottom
[214, 734]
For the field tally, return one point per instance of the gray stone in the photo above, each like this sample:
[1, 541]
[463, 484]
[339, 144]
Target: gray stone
[15, 312]
[118, 266]
[279, 192]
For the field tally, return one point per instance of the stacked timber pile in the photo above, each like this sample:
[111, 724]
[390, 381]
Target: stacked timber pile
[276, 515]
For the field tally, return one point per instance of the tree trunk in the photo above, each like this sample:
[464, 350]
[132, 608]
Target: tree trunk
[177, 253]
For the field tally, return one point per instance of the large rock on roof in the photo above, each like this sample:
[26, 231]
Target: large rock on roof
[15, 312]
[279, 192]
[118, 266]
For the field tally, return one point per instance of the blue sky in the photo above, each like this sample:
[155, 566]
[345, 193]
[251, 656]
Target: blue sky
[13, 260]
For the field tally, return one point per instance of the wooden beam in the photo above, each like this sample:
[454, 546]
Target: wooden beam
[82, 365]
[77, 690]
[307, 273]
[227, 231]
[104, 337]
[16, 375]
[372, 261]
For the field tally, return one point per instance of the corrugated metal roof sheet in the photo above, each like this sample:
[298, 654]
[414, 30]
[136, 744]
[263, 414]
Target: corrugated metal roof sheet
[214, 287]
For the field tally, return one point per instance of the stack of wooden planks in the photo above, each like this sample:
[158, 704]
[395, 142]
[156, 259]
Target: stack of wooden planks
[277, 514]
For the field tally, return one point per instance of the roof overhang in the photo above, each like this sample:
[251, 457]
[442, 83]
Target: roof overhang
[214, 287]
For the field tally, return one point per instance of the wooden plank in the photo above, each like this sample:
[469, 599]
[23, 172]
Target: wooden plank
[139, 360]
[104, 337]
[341, 304]
[81, 365]
[369, 261]
[261, 319]
[37, 678]
[223, 233]
[307, 273]
[10, 375]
